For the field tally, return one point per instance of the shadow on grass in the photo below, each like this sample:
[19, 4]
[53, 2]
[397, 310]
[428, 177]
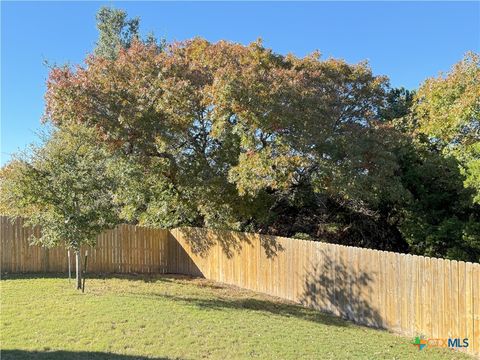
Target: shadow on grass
[252, 304]
[219, 303]
[22, 276]
[74, 355]
[148, 278]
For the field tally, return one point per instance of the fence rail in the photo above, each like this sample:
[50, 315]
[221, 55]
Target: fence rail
[411, 295]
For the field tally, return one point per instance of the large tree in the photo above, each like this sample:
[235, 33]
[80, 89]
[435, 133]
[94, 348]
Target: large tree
[66, 186]
[222, 125]
[438, 164]
[233, 136]
[447, 109]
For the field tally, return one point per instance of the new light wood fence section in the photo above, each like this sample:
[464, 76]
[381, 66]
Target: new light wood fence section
[412, 295]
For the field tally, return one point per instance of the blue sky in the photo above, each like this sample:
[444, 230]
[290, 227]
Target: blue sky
[407, 41]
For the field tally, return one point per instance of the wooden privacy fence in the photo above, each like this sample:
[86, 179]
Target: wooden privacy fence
[125, 249]
[412, 295]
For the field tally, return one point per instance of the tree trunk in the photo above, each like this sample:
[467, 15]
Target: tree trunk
[78, 269]
[69, 266]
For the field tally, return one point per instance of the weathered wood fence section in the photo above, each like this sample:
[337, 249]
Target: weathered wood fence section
[125, 249]
[412, 295]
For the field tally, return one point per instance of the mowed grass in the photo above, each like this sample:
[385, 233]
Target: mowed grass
[166, 317]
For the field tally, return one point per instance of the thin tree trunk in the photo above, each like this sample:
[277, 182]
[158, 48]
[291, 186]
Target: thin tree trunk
[78, 269]
[69, 266]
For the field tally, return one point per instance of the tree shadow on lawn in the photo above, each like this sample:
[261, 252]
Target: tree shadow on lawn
[219, 303]
[74, 355]
[148, 278]
[252, 304]
[24, 276]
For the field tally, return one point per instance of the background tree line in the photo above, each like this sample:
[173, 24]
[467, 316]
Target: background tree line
[238, 137]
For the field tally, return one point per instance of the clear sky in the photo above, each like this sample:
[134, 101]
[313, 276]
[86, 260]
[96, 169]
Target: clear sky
[407, 41]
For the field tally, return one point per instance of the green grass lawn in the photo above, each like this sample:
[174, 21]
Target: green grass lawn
[165, 317]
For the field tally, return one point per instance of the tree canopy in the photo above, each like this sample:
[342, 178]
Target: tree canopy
[115, 32]
[448, 110]
[238, 120]
[66, 185]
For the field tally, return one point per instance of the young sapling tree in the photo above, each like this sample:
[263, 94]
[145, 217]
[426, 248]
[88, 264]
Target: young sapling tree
[66, 186]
